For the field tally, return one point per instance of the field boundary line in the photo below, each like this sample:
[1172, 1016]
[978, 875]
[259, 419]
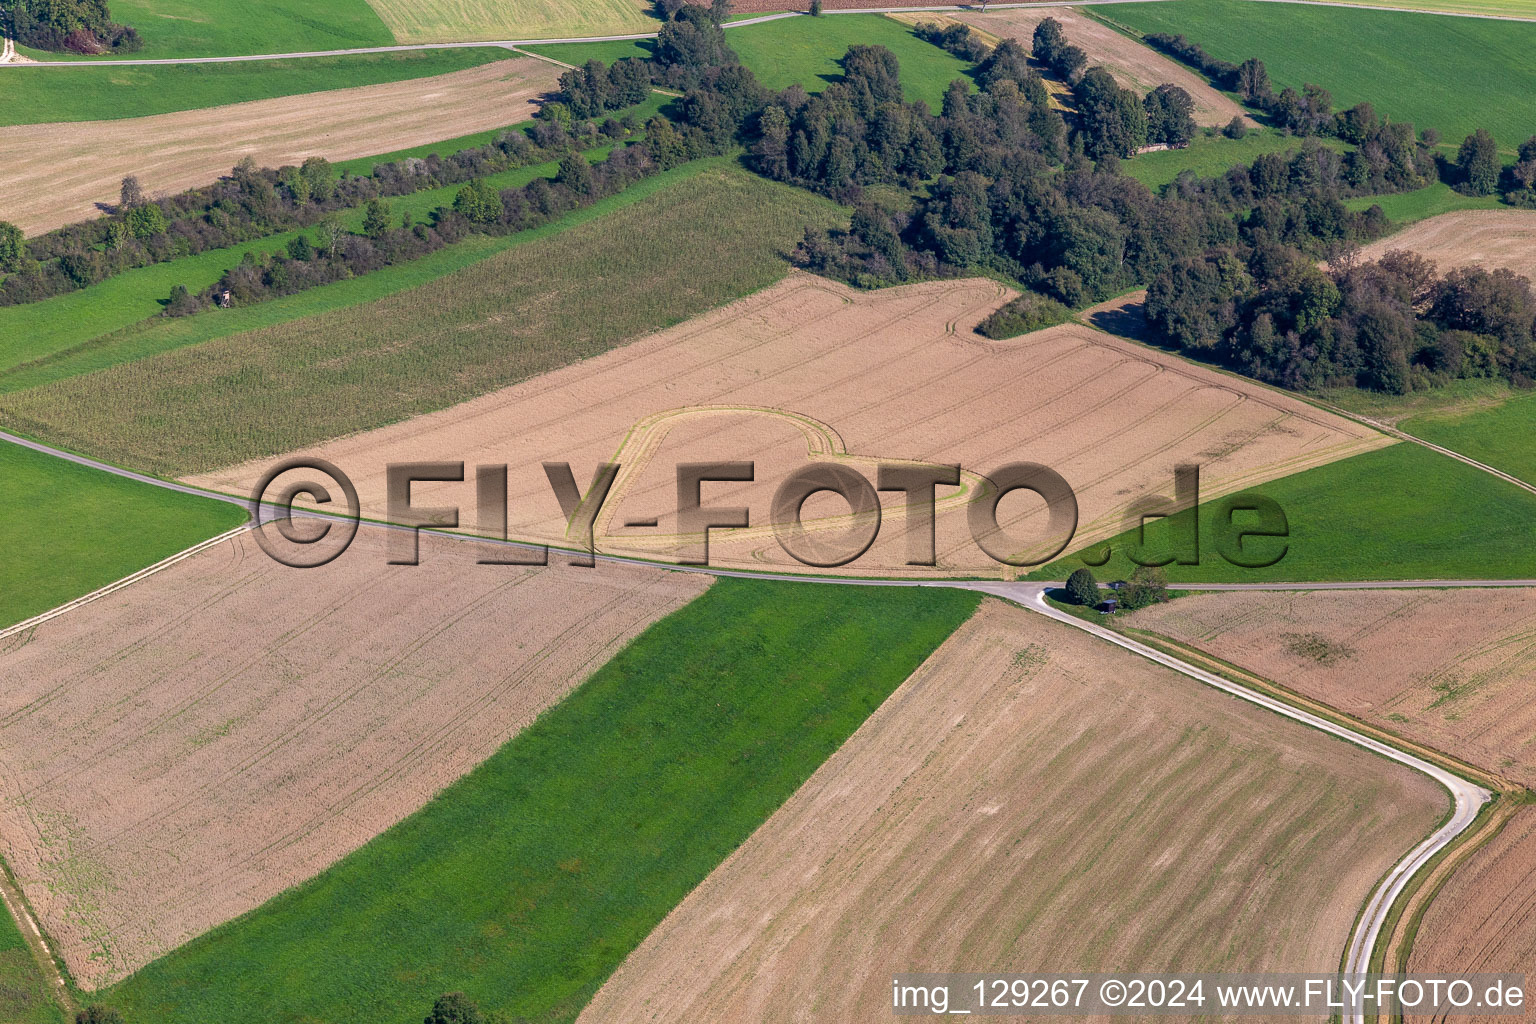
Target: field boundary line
[32, 935]
[126, 581]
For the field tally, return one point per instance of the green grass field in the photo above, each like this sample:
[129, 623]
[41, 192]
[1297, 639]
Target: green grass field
[1402, 512]
[25, 996]
[806, 51]
[1494, 8]
[669, 248]
[442, 21]
[223, 28]
[39, 95]
[527, 882]
[1453, 74]
[1406, 207]
[68, 530]
[1500, 435]
[1208, 156]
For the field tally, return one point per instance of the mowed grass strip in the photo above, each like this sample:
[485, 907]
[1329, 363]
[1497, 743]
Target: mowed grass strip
[26, 995]
[1404, 208]
[702, 240]
[43, 95]
[1500, 436]
[224, 28]
[1398, 513]
[527, 882]
[440, 21]
[67, 530]
[1210, 156]
[1452, 74]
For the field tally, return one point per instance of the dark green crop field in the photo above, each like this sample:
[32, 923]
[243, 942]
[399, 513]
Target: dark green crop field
[1452, 74]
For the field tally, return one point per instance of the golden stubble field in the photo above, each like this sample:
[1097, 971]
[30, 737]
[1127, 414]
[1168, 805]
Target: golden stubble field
[1034, 799]
[1489, 239]
[810, 371]
[1134, 65]
[53, 174]
[1455, 669]
[1484, 919]
[177, 753]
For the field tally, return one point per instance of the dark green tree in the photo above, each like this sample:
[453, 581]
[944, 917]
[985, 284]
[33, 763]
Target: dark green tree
[145, 222]
[13, 246]
[376, 218]
[576, 174]
[1083, 588]
[454, 1008]
[1478, 162]
[1170, 116]
[1148, 585]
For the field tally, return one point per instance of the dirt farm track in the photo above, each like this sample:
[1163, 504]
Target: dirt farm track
[788, 376]
[54, 174]
[181, 751]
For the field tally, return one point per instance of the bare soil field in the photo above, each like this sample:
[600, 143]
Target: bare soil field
[1134, 65]
[1470, 238]
[1454, 669]
[1484, 919]
[176, 754]
[54, 174]
[810, 371]
[1033, 799]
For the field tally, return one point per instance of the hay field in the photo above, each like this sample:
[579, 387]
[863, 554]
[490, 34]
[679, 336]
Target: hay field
[1455, 669]
[180, 752]
[1033, 799]
[1134, 65]
[1484, 919]
[1469, 238]
[448, 21]
[812, 371]
[53, 174]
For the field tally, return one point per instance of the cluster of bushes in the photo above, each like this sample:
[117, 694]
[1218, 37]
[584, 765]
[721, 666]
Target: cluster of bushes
[1117, 121]
[1028, 312]
[1148, 585]
[958, 39]
[1051, 48]
[253, 203]
[75, 26]
[1391, 325]
[596, 88]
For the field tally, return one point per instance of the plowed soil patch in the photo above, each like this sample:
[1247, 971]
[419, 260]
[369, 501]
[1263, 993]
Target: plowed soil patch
[1034, 799]
[1455, 669]
[1134, 65]
[176, 754]
[1471, 238]
[809, 371]
[53, 174]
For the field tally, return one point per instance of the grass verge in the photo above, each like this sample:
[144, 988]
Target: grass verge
[1397, 513]
[1209, 156]
[528, 881]
[68, 530]
[667, 249]
[41, 95]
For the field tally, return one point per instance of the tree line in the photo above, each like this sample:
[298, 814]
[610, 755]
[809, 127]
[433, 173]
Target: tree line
[75, 26]
[253, 203]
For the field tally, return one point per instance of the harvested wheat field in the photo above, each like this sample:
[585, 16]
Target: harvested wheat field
[1034, 799]
[1134, 65]
[1484, 919]
[446, 21]
[809, 371]
[54, 174]
[177, 753]
[1471, 238]
[1454, 669]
